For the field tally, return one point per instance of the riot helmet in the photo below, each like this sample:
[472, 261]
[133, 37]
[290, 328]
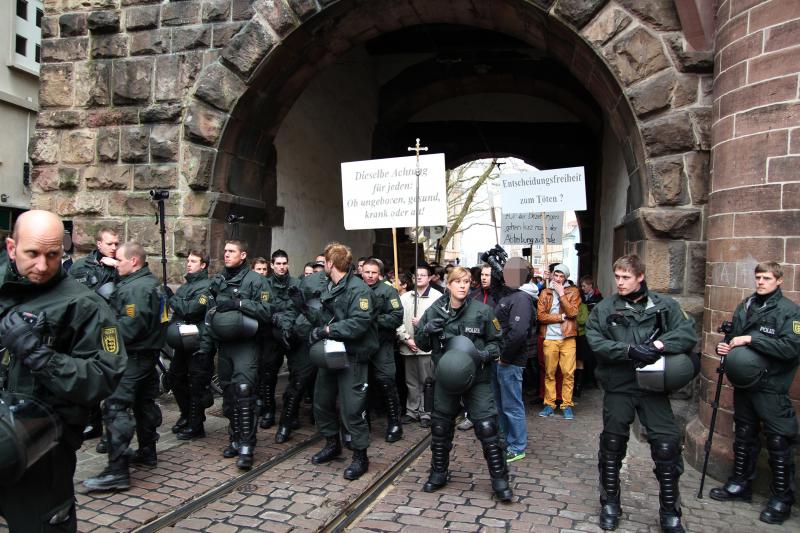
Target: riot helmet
[675, 373]
[745, 367]
[182, 336]
[328, 353]
[231, 325]
[28, 430]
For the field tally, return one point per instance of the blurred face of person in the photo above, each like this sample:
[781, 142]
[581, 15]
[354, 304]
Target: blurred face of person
[108, 244]
[37, 248]
[371, 274]
[423, 279]
[558, 277]
[194, 264]
[261, 268]
[125, 264]
[766, 282]
[587, 287]
[486, 277]
[280, 265]
[459, 288]
[233, 256]
[627, 281]
[308, 270]
[360, 269]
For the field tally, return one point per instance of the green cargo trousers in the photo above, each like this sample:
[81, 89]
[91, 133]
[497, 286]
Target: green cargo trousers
[350, 386]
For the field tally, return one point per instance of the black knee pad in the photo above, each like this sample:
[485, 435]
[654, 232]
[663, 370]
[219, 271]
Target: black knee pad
[242, 390]
[441, 430]
[778, 443]
[612, 442]
[665, 450]
[745, 431]
[486, 428]
[111, 407]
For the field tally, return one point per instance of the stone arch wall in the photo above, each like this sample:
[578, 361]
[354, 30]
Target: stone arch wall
[137, 94]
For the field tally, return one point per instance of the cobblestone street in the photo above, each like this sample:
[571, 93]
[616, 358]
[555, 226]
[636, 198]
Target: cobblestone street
[555, 486]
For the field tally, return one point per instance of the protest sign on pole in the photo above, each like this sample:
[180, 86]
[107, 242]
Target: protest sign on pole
[380, 193]
[527, 228]
[562, 189]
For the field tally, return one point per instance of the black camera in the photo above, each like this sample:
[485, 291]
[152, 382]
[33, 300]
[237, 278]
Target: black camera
[496, 258]
[233, 218]
[158, 194]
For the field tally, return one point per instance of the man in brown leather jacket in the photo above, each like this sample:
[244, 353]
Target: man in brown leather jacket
[557, 312]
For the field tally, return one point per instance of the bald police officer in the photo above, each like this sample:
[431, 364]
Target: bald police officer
[61, 346]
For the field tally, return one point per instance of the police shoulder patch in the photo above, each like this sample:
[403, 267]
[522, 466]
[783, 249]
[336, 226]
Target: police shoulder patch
[395, 303]
[496, 324]
[203, 300]
[363, 303]
[110, 340]
[264, 296]
[796, 327]
[130, 310]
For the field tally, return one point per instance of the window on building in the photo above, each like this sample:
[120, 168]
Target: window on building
[38, 57]
[27, 31]
[39, 15]
[22, 9]
[22, 43]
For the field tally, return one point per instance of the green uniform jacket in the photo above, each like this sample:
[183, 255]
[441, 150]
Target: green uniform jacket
[137, 304]
[312, 287]
[609, 336]
[775, 333]
[473, 319]
[347, 307]
[251, 289]
[89, 356]
[90, 272]
[281, 303]
[190, 301]
[388, 310]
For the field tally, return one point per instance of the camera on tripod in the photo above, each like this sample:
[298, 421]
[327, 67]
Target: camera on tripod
[158, 194]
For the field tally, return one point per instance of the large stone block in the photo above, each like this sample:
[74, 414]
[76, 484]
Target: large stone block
[197, 165]
[85, 230]
[652, 94]
[180, 13]
[50, 26]
[190, 38]
[672, 223]
[78, 146]
[248, 48]
[132, 81]
[578, 12]
[155, 176]
[660, 14]
[45, 179]
[697, 173]
[607, 26]
[220, 87]
[277, 14]
[636, 55]
[168, 112]
[216, 10]
[142, 17]
[133, 204]
[669, 135]
[146, 233]
[73, 24]
[108, 145]
[164, 142]
[45, 147]
[150, 42]
[223, 33]
[92, 81]
[114, 116]
[61, 118]
[303, 8]
[110, 46]
[190, 234]
[133, 144]
[106, 21]
[696, 268]
[75, 204]
[65, 49]
[198, 204]
[666, 181]
[242, 9]
[56, 86]
[203, 124]
[701, 61]
[108, 176]
[175, 74]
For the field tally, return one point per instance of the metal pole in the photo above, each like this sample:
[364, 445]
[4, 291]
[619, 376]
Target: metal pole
[163, 230]
[417, 148]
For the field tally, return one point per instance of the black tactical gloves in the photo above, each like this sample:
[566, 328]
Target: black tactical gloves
[317, 334]
[643, 354]
[434, 326]
[22, 334]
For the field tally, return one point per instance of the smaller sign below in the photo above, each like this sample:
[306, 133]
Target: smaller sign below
[526, 228]
[561, 189]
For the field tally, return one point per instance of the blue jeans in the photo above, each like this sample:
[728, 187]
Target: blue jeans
[508, 396]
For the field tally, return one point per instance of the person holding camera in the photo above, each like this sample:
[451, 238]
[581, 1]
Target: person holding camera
[59, 344]
[761, 361]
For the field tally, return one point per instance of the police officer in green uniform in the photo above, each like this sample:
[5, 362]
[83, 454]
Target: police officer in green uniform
[278, 342]
[629, 330]
[389, 316]
[241, 310]
[762, 359]
[190, 375]
[139, 304]
[455, 315]
[345, 315]
[69, 357]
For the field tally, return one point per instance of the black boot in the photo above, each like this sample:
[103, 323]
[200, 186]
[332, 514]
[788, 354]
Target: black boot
[246, 406]
[358, 467]
[234, 417]
[781, 462]
[745, 455]
[347, 439]
[102, 445]
[394, 425]
[266, 393]
[667, 456]
[194, 427]
[180, 391]
[145, 455]
[289, 415]
[441, 443]
[115, 476]
[331, 450]
[487, 432]
[612, 452]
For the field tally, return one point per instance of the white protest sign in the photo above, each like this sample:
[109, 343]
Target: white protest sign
[562, 189]
[380, 193]
[526, 228]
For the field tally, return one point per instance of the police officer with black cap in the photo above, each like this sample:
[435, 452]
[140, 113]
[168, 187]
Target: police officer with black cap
[60, 348]
[634, 333]
[761, 362]
[466, 339]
